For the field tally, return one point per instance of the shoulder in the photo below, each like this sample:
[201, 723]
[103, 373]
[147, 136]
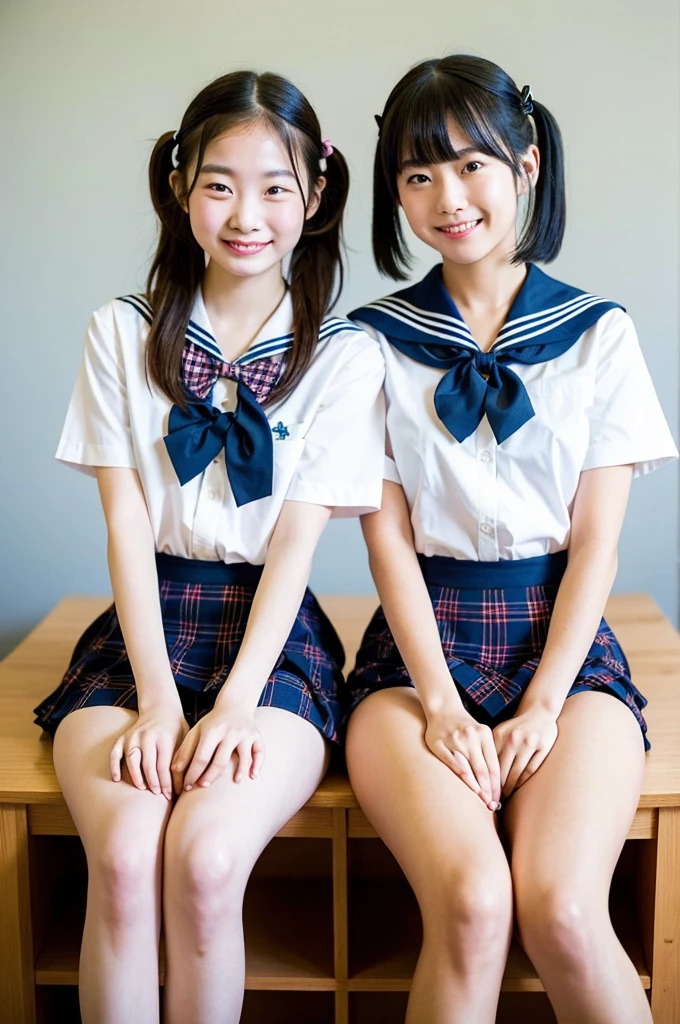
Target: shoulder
[127, 314]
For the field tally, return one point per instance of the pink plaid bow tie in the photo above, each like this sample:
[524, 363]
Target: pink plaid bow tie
[201, 370]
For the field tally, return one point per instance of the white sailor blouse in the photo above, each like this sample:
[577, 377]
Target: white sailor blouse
[489, 446]
[215, 475]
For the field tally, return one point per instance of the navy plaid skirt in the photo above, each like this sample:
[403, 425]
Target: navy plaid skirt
[493, 620]
[205, 608]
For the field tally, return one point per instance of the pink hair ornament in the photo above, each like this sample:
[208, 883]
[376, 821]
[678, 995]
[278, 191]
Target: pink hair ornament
[327, 147]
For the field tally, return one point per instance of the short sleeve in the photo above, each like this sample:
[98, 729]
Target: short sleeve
[627, 424]
[97, 428]
[342, 462]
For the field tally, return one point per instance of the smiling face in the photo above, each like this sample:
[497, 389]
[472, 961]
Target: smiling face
[246, 210]
[465, 209]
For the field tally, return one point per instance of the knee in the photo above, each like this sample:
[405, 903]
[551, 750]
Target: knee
[470, 915]
[206, 880]
[124, 880]
[560, 923]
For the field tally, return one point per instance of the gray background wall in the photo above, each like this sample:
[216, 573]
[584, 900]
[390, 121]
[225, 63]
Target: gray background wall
[86, 87]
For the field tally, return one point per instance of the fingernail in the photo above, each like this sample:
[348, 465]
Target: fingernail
[167, 794]
[205, 784]
[187, 788]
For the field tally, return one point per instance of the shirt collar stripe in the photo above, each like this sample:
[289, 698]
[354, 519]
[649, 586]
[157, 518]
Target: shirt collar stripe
[465, 340]
[425, 315]
[553, 313]
[534, 334]
[419, 319]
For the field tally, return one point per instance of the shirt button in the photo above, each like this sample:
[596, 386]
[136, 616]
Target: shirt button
[487, 530]
[211, 495]
[485, 456]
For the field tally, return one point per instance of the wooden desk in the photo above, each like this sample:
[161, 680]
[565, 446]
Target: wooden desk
[338, 941]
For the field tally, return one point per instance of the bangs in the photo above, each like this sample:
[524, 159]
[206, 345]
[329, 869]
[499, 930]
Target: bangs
[420, 128]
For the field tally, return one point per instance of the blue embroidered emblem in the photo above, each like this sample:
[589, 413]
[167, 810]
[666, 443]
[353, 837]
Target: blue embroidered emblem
[280, 431]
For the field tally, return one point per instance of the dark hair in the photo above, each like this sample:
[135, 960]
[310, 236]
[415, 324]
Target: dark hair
[489, 109]
[315, 275]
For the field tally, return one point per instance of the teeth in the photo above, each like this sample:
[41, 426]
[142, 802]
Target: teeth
[246, 246]
[458, 228]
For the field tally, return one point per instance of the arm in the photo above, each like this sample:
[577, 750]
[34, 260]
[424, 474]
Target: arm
[599, 507]
[452, 734]
[230, 727]
[160, 724]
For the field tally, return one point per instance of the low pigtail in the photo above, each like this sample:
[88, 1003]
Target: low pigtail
[390, 250]
[176, 272]
[544, 232]
[316, 273]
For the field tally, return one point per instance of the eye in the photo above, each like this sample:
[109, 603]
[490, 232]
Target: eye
[276, 190]
[219, 187]
[417, 179]
[474, 165]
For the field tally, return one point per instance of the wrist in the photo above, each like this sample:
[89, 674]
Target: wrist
[443, 698]
[150, 703]
[543, 704]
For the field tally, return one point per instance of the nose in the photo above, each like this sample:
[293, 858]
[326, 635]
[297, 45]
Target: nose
[451, 196]
[244, 214]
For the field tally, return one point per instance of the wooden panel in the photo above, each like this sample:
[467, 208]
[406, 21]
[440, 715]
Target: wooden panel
[288, 930]
[17, 998]
[386, 933]
[643, 826]
[666, 949]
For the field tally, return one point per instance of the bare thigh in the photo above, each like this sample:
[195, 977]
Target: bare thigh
[246, 815]
[431, 821]
[101, 808]
[570, 819]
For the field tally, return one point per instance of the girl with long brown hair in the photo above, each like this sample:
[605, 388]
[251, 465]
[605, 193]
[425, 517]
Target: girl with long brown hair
[226, 418]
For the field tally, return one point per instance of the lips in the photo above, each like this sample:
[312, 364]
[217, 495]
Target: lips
[244, 248]
[465, 227]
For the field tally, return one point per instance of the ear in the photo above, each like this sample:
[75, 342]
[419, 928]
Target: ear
[177, 185]
[315, 198]
[531, 162]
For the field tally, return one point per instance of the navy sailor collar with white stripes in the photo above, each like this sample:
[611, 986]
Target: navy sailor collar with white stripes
[546, 318]
[273, 339]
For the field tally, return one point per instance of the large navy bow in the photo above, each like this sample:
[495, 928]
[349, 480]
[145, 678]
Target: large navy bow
[197, 434]
[478, 384]
[546, 319]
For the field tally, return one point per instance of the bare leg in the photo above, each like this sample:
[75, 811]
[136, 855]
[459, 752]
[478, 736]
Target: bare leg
[446, 843]
[567, 826]
[214, 838]
[122, 831]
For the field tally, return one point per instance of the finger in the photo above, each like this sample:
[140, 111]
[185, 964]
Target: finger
[163, 759]
[459, 766]
[133, 761]
[219, 762]
[479, 767]
[149, 768]
[535, 762]
[199, 762]
[116, 757]
[522, 758]
[259, 756]
[183, 757]
[493, 766]
[244, 752]
[506, 758]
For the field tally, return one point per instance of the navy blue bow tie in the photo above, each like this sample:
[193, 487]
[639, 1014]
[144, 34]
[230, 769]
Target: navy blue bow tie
[196, 435]
[545, 320]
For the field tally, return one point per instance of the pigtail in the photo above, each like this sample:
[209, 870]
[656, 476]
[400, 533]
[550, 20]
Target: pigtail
[544, 232]
[316, 273]
[390, 250]
[176, 272]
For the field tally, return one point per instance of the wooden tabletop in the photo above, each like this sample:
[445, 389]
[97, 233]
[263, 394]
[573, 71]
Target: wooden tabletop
[34, 669]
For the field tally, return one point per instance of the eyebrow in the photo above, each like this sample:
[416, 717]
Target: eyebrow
[458, 154]
[280, 172]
